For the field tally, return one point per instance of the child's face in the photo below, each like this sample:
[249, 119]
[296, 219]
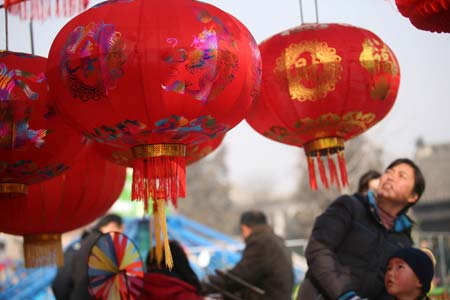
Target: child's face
[400, 281]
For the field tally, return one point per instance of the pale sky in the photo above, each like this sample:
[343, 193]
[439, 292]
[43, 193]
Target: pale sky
[423, 102]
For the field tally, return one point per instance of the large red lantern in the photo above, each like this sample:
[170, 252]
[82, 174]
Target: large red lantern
[38, 9]
[76, 198]
[35, 144]
[430, 15]
[170, 74]
[321, 85]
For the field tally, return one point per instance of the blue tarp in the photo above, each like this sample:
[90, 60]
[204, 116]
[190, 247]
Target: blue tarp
[35, 283]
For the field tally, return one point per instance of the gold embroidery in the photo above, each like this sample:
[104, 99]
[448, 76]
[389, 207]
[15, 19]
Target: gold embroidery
[325, 126]
[312, 69]
[350, 124]
[378, 60]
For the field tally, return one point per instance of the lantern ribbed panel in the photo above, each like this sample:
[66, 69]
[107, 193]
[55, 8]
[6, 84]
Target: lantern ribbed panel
[176, 72]
[323, 84]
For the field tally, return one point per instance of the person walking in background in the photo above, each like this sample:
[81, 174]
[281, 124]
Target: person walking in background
[72, 282]
[409, 274]
[179, 283]
[353, 239]
[61, 285]
[368, 181]
[266, 262]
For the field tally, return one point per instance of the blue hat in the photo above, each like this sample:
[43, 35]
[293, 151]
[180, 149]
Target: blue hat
[420, 263]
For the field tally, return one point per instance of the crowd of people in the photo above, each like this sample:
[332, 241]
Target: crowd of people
[360, 248]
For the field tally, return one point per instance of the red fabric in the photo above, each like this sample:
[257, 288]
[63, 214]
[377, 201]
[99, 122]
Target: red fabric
[175, 71]
[8, 3]
[76, 198]
[35, 143]
[323, 81]
[163, 287]
[38, 9]
[430, 15]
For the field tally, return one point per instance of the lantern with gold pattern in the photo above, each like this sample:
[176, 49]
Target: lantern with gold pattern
[321, 85]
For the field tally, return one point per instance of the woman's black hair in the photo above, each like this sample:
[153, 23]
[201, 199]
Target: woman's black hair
[181, 267]
[364, 180]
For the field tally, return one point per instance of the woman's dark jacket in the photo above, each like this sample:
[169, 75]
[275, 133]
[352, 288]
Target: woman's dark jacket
[349, 248]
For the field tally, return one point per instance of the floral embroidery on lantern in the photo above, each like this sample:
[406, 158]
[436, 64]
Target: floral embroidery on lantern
[311, 68]
[17, 79]
[91, 60]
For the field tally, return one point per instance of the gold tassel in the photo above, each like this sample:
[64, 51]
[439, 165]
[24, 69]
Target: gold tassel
[162, 216]
[158, 244]
[152, 254]
[42, 250]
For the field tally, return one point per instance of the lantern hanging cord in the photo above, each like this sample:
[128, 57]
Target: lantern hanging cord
[316, 6]
[6, 26]
[301, 12]
[317, 11]
[31, 36]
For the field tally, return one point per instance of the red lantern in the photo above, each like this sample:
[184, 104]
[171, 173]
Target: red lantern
[35, 144]
[38, 9]
[76, 198]
[170, 74]
[430, 15]
[323, 84]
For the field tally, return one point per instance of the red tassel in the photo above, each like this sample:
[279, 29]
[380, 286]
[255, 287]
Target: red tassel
[343, 169]
[41, 9]
[161, 175]
[322, 171]
[333, 172]
[312, 173]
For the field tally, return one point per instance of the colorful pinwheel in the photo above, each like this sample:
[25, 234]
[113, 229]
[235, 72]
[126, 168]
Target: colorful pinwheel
[115, 268]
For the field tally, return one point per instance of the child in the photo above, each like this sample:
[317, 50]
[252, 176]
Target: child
[409, 274]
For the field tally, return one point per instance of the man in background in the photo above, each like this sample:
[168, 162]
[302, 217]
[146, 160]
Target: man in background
[266, 262]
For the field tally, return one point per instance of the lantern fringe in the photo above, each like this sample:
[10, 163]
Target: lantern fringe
[38, 9]
[322, 172]
[164, 176]
[312, 173]
[333, 172]
[42, 250]
[316, 158]
[342, 167]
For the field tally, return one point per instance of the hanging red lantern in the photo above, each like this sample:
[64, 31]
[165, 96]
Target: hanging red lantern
[76, 198]
[323, 84]
[38, 9]
[430, 15]
[170, 74]
[35, 144]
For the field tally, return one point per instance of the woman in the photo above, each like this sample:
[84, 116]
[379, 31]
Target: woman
[180, 283]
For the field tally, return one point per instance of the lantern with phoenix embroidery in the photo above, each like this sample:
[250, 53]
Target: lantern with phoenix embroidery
[74, 199]
[321, 85]
[168, 75]
[430, 15]
[35, 144]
